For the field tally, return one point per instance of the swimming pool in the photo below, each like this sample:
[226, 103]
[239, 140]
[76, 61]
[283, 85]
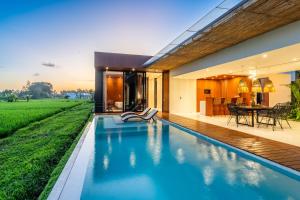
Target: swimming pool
[139, 160]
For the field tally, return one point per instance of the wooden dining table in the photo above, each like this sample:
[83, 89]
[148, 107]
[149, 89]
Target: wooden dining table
[252, 110]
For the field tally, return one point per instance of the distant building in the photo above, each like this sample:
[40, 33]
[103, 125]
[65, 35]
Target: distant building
[75, 95]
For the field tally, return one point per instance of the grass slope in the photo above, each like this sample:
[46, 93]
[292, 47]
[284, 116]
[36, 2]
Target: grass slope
[59, 168]
[16, 115]
[29, 156]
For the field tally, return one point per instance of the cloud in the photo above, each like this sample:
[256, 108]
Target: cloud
[49, 64]
[36, 74]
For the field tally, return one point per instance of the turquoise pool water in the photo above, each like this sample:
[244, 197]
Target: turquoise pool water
[138, 160]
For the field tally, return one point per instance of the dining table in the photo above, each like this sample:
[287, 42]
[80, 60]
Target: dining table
[252, 110]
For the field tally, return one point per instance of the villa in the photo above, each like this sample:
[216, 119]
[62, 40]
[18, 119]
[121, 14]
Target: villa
[255, 43]
[213, 87]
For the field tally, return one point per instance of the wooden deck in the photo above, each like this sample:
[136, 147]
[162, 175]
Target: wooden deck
[284, 154]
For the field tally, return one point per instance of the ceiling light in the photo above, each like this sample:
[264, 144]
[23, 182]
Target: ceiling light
[133, 69]
[265, 55]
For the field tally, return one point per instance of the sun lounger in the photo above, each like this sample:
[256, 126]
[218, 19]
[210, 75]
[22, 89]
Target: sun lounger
[148, 117]
[131, 113]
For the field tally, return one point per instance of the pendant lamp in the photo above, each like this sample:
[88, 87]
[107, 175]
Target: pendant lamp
[243, 87]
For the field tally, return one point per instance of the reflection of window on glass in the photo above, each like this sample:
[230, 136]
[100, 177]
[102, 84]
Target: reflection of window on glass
[134, 91]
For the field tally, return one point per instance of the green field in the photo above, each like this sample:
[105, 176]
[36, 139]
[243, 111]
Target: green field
[19, 114]
[29, 155]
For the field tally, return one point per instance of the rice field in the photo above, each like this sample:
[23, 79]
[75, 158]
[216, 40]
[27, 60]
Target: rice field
[29, 156]
[16, 115]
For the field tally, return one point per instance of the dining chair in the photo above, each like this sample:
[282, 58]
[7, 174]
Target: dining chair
[280, 112]
[237, 113]
[240, 101]
[226, 102]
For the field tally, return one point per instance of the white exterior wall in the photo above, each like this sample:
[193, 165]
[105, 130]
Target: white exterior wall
[151, 93]
[182, 95]
[282, 92]
[159, 93]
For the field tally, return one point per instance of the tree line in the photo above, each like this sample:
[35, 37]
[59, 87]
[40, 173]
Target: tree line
[41, 90]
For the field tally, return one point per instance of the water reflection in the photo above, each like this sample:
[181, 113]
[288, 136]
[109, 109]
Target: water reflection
[119, 138]
[132, 159]
[236, 169]
[109, 149]
[109, 145]
[230, 177]
[180, 156]
[208, 175]
[251, 173]
[105, 162]
[154, 144]
[108, 139]
[232, 156]
[214, 153]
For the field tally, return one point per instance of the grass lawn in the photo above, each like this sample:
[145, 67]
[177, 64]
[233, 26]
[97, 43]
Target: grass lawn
[29, 156]
[16, 115]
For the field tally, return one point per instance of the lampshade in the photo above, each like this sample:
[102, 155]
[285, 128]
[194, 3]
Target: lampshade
[243, 87]
[256, 86]
[269, 87]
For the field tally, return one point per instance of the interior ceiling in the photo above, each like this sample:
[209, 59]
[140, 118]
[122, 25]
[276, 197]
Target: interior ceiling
[221, 77]
[153, 75]
[277, 61]
[252, 19]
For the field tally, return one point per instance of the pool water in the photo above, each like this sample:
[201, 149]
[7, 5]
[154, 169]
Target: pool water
[139, 160]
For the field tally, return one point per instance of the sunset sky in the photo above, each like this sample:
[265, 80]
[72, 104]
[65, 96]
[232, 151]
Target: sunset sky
[36, 33]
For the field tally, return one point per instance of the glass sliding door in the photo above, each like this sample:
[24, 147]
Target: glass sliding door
[113, 91]
[134, 91]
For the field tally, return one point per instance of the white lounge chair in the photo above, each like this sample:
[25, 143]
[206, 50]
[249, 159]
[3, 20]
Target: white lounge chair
[131, 113]
[148, 117]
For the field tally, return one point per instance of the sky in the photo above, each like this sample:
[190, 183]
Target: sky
[55, 40]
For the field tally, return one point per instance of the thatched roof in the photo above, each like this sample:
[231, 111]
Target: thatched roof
[250, 19]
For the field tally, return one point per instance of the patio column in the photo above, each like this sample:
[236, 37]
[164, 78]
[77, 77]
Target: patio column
[165, 91]
[99, 103]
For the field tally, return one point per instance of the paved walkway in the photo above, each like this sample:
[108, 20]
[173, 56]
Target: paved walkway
[284, 154]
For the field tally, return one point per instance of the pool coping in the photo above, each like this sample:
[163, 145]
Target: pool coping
[64, 175]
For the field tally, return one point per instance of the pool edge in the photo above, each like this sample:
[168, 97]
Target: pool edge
[58, 187]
